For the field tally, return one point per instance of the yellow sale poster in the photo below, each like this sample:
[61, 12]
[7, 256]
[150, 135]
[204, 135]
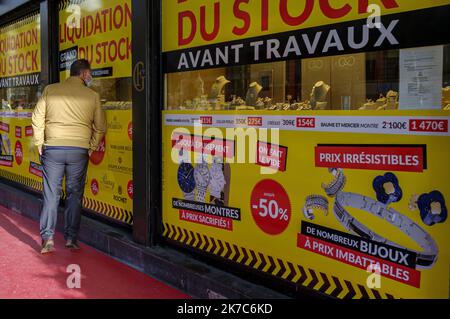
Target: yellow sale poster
[19, 158]
[206, 22]
[99, 31]
[350, 204]
[20, 53]
[109, 184]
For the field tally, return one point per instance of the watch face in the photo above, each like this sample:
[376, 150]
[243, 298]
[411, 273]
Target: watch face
[185, 176]
[217, 182]
[202, 175]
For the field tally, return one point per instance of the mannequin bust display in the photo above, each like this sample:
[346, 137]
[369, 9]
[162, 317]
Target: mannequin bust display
[218, 87]
[220, 102]
[319, 94]
[392, 100]
[252, 93]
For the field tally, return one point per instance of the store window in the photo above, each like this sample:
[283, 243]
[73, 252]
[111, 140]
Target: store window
[414, 78]
[100, 31]
[20, 63]
[293, 128]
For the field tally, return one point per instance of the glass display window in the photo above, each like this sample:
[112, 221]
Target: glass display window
[100, 33]
[20, 63]
[413, 78]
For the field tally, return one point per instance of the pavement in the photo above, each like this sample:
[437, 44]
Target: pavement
[26, 274]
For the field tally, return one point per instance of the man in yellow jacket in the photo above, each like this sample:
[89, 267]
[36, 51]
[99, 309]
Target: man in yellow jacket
[68, 125]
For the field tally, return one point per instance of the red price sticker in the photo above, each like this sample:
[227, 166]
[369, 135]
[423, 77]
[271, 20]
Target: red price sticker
[254, 121]
[308, 122]
[206, 120]
[417, 125]
[270, 206]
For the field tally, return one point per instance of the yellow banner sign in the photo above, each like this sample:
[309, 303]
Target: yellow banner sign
[98, 31]
[192, 23]
[345, 203]
[109, 184]
[20, 52]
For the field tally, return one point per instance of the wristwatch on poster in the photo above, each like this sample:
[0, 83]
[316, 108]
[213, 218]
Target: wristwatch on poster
[186, 180]
[202, 178]
[217, 183]
[424, 259]
[5, 147]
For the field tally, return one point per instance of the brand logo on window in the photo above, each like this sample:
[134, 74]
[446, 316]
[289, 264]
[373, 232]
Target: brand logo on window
[94, 187]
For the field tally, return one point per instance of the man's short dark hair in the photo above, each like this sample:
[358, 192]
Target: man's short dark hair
[79, 66]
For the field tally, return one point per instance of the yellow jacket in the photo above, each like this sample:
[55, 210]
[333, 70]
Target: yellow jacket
[69, 114]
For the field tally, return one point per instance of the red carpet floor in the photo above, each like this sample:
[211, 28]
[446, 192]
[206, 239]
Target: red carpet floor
[25, 273]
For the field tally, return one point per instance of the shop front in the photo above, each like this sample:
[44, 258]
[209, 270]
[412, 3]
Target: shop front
[302, 144]
[20, 89]
[306, 142]
[101, 33]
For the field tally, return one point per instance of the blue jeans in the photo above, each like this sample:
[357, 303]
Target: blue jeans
[57, 162]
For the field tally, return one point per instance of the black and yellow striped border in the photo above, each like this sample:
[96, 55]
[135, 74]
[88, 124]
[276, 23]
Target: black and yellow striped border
[29, 18]
[116, 213]
[26, 181]
[63, 4]
[284, 270]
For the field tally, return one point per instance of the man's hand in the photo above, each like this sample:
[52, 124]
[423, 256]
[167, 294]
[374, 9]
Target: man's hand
[40, 150]
[90, 152]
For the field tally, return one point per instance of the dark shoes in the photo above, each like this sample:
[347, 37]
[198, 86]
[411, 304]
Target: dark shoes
[72, 244]
[47, 246]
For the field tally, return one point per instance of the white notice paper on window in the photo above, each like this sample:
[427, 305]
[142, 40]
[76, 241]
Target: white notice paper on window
[421, 78]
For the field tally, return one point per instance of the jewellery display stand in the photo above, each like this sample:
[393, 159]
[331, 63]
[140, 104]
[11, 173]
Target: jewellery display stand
[380, 101]
[199, 86]
[236, 102]
[319, 96]
[252, 94]
[318, 99]
[217, 96]
[446, 98]
[391, 101]
[369, 105]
